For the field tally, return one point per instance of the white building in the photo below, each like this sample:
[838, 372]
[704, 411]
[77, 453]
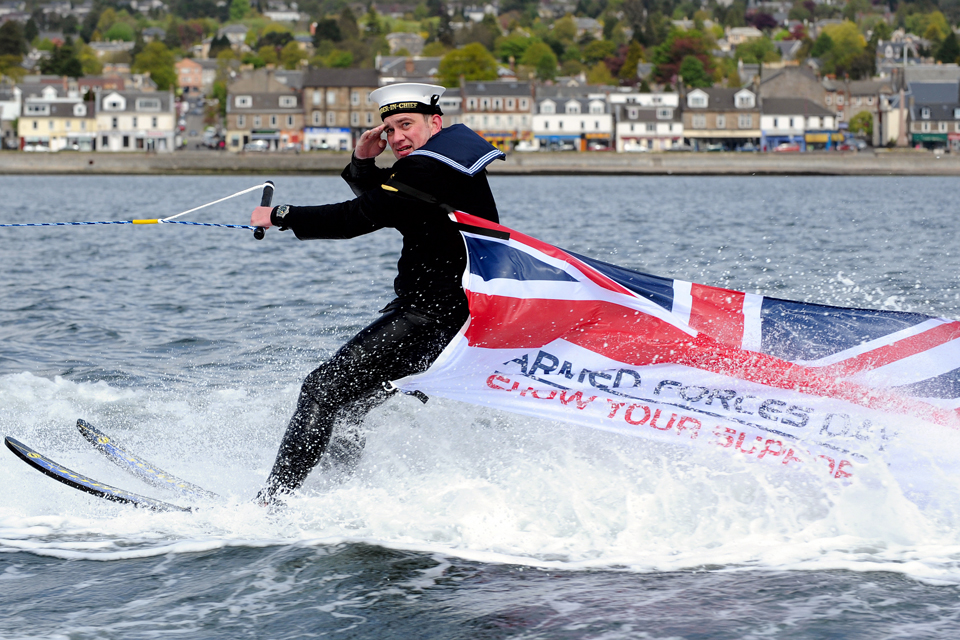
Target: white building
[136, 121]
[797, 121]
[578, 124]
[663, 99]
[648, 128]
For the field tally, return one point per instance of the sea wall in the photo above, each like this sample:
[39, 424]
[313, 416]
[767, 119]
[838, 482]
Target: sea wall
[880, 162]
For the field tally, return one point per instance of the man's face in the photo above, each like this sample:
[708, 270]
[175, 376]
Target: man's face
[407, 132]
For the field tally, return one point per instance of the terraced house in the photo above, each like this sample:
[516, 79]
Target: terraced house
[338, 107]
[136, 121]
[263, 111]
[721, 117]
[47, 125]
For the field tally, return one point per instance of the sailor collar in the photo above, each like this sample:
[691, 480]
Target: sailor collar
[461, 148]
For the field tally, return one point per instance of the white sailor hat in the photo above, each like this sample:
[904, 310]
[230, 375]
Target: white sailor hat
[408, 97]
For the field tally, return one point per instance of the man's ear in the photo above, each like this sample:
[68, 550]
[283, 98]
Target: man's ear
[436, 124]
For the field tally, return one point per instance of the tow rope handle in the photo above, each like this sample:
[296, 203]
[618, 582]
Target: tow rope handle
[265, 199]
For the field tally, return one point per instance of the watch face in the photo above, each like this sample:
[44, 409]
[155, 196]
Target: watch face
[282, 210]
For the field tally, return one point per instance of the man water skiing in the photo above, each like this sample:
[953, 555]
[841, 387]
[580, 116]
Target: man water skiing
[436, 170]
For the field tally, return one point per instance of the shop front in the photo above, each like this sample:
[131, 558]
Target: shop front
[596, 142]
[270, 136]
[929, 140]
[327, 139]
[559, 142]
[822, 139]
[954, 140]
[503, 140]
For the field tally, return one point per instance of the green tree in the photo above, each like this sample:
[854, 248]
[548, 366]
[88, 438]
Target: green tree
[157, 60]
[119, 31]
[693, 72]
[472, 61]
[542, 59]
[327, 29]
[822, 46]
[512, 46]
[63, 61]
[291, 55]
[565, 29]
[30, 30]
[758, 50]
[10, 67]
[862, 123]
[349, 29]
[12, 40]
[628, 72]
[600, 74]
[239, 9]
[597, 51]
[679, 44]
[89, 60]
[268, 54]
[949, 50]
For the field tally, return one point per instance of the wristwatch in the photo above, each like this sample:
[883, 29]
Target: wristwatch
[278, 214]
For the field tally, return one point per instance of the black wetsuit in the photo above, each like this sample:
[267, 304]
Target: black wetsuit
[430, 307]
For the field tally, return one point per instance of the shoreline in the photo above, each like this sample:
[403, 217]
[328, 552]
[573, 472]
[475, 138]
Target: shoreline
[870, 163]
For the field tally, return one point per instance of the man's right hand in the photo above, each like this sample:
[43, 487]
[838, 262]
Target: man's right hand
[370, 145]
[261, 217]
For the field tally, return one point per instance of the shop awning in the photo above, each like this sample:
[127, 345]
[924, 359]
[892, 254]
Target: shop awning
[929, 137]
[823, 138]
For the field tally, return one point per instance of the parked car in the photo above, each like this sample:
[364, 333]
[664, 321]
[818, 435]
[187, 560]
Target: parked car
[597, 146]
[257, 145]
[852, 145]
[634, 147]
[526, 145]
[716, 146]
[748, 147]
[788, 147]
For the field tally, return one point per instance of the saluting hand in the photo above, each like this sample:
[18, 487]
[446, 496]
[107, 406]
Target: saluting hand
[370, 145]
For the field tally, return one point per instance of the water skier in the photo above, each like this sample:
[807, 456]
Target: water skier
[436, 169]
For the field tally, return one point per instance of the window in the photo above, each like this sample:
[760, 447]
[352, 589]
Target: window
[243, 102]
[560, 125]
[35, 124]
[105, 142]
[149, 104]
[497, 104]
[956, 127]
[134, 122]
[241, 121]
[631, 128]
[870, 100]
[664, 114]
[153, 122]
[596, 124]
[317, 117]
[523, 103]
[83, 125]
[744, 100]
[856, 101]
[721, 122]
[369, 99]
[355, 98]
[745, 121]
[633, 114]
[38, 109]
[472, 103]
[369, 119]
[699, 121]
[651, 127]
[925, 127]
[776, 123]
[510, 104]
[289, 121]
[791, 123]
[126, 142]
[115, 122]
[596, 107]
[546, 124]
[317, 97]
[573, 107]
[697, 100]
[925, 113]
[288, 102]
[331, 98]
[839, 99]
[355, 119]
[547, 107]
[485, 104]
[257, 122]
[50, 125]
[828, 99]
[273, 121]
[943, 126]
[956, 113]
[331, 118]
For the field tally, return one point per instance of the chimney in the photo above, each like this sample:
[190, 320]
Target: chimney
[408, 64]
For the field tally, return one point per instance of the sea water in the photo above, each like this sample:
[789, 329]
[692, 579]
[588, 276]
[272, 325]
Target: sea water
[188, 345]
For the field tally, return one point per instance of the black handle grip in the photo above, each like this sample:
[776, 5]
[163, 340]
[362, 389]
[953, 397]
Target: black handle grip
[265, 199]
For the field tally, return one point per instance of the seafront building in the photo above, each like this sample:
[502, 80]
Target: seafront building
[264, 111]
[136, 121]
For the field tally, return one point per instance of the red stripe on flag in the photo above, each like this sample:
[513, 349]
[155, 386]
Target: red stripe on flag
[718, 313]
[897, 351]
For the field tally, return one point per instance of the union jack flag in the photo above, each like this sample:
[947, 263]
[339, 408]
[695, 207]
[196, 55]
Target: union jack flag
[558, 335]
